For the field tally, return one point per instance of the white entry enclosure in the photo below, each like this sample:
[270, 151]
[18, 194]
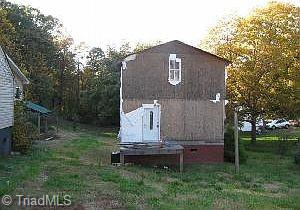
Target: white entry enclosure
[141, 125]
[150, 123]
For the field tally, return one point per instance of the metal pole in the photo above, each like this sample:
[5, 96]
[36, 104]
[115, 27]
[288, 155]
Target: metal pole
[236, 142]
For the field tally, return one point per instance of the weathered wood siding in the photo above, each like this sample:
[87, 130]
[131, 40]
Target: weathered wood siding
[6, 93]
[147, 76]
[187, 120]
[187, 114]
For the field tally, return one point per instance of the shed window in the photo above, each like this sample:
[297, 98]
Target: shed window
[174, 69]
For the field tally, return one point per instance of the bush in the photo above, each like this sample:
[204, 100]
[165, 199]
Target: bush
[297, 154]
[23, 130]
[229, 153]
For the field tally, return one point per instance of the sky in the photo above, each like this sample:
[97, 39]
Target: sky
[100, 23]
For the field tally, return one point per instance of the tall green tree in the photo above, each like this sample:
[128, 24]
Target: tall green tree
[43, 52]
[264, 50]
[101, 81]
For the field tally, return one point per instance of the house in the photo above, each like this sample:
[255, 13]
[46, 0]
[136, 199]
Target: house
[174, 93]
[11, 89]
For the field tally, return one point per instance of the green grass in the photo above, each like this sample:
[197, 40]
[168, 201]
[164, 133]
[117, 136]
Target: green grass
[280, 141]
[272, 135]
[77, 164]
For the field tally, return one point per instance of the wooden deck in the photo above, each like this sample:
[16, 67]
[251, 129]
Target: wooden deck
[151, 149]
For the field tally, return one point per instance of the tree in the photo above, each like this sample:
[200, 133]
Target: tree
[7, 30]
[43, 52]
[264, 50]
[142, 46]
[101, 85]
[95, 58]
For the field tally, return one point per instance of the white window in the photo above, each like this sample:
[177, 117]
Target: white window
[174, 69]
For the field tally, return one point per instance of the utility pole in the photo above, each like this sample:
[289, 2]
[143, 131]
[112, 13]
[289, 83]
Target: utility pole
[236, 142]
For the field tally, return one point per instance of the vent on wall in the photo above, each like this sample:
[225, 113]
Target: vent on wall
[194, 150]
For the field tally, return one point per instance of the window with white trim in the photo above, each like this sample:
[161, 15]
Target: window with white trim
[174, 69]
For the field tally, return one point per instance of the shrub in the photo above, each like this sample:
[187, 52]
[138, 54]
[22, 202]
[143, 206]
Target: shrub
[23, 130]
[297, 154]
[229, 153]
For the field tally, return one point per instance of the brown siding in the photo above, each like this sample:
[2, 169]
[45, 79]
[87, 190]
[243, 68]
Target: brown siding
[187, 114]
[203, 121]
[147, 76]
[186, 120]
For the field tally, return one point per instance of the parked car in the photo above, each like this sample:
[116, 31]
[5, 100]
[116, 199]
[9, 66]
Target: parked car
[246, 126]
[295, 123]
[278, 123]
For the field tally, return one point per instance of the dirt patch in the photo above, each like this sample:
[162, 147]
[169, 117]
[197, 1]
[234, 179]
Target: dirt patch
[170, 179]
[272, 187]
[73, 207]
[63, 134]
[131, 175]
[99, 156]
[225, 175]
[61, 137]
[103, 202]
[225, 203]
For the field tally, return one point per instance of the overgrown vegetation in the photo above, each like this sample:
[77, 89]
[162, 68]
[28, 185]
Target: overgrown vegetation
[297, 154]
[24, 132]
[263, 78]
[229, 147]
[78, 164]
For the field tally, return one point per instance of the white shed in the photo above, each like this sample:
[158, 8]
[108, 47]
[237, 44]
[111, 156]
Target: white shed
[11, 89]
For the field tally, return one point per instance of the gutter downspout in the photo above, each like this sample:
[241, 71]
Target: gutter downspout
[121, 102]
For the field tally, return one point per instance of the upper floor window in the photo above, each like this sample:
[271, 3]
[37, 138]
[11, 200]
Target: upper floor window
[174, 69]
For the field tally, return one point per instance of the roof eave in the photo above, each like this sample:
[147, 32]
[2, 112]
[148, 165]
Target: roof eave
[227, 62]
[17, 71]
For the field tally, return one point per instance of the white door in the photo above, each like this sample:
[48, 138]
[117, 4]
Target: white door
[151, 127]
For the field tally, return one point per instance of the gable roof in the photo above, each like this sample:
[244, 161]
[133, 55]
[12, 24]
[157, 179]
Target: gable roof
[16, 70]
[186, 45]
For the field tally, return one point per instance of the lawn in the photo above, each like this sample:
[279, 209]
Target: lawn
[77, 164]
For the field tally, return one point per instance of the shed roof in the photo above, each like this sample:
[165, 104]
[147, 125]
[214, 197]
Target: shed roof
[37, 108]
[183, 44]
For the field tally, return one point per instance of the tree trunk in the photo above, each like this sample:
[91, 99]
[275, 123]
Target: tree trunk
[253, 129]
